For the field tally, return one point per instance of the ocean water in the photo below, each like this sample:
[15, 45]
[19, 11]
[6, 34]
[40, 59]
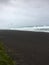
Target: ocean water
[29, 28]
[33, 28]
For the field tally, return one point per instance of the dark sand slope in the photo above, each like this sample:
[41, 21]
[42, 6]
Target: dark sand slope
[28, 48]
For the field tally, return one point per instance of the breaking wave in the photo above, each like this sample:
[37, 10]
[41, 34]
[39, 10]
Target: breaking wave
[33, 28]
[29, 28]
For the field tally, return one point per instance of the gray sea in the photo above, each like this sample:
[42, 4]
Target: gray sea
[29, 28]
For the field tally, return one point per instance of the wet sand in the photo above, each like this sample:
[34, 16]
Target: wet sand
[26, 48]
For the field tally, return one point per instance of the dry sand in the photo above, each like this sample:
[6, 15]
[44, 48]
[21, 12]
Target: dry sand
[27, 48]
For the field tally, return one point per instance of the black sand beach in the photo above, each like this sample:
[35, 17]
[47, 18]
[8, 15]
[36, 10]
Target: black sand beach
[26, 48]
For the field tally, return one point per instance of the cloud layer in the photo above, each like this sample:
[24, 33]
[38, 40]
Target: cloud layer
[24, 12]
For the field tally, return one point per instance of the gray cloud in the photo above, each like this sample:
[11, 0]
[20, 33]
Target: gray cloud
[7, 2]
[24, 12]
[4, 1]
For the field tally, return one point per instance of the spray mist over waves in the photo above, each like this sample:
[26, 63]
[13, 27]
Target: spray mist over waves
[28, 28]
[33, 28]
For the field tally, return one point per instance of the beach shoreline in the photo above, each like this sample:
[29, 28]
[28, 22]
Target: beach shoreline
[28, 48]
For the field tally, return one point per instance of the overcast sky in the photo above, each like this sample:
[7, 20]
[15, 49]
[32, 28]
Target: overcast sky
[24, 13]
